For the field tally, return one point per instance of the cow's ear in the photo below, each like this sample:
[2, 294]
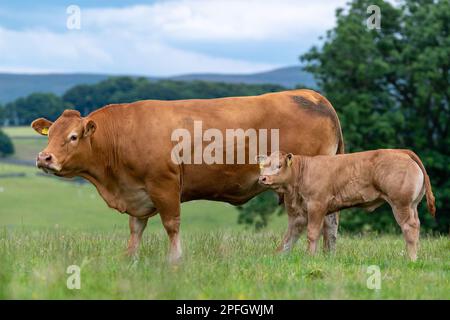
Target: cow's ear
[41, 126]
[289, 159]
[89, 128]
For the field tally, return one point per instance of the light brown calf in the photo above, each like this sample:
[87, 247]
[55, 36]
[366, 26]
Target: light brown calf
[314, 187]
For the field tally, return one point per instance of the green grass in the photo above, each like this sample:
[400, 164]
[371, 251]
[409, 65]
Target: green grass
[47, 225]
[216, 265]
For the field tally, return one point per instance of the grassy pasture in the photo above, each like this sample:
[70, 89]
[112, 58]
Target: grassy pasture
[47, 224]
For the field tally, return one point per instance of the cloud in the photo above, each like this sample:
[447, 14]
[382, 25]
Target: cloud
[171, 37]
[220, 20]
[43, 51]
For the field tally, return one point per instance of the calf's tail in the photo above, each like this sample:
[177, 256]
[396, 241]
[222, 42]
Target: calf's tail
[428, 192]
[341, 148]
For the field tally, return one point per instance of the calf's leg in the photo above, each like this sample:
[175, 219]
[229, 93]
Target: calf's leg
[296, 224]
[409, 222]
[315, 222]
[137, 227]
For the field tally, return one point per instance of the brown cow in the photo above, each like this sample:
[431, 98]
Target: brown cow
[314, 187]
[125, 151]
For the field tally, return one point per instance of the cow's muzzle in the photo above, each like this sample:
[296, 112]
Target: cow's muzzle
[47, 162]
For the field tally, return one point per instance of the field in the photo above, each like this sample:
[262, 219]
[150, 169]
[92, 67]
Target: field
[27, 143]
[47, 224]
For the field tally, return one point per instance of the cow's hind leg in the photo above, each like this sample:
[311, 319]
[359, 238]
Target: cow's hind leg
[137, 227]
[170, 217]
[172, 225]
[408, 221]
[165, 195]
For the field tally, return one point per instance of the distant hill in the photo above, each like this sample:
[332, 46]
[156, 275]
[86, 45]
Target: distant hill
[13, 86]
[287, 77]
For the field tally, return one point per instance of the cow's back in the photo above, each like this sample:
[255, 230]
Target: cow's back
[306, 121]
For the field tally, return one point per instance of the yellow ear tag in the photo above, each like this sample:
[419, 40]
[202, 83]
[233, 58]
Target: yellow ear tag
[44, 131]
[261, 165]
[289, 162]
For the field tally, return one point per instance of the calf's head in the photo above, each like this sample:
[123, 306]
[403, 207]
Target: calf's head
[275, 170]
[69, 143]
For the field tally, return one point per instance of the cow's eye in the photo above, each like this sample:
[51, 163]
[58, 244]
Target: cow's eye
[73, 137]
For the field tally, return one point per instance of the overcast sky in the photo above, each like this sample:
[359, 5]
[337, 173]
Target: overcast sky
[160, 37]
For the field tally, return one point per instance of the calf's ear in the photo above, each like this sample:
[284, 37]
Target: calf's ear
[41, 126]
[260, 158]
[89, 128]
[289, 159]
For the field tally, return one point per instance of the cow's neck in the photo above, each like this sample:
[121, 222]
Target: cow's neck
[101, 171]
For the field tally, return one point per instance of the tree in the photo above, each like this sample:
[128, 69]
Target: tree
[6, 146]
[2, 114]
[391, 86]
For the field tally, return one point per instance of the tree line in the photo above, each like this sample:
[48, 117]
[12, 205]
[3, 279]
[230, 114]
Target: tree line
[87, 98]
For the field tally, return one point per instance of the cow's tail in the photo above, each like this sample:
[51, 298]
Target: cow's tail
[428, 192]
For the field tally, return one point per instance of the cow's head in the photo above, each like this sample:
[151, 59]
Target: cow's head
[275, 170]
[69, 143]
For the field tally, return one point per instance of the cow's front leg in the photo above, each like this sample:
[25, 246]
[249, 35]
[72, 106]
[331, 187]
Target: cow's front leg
[330, 231]
[137, 227]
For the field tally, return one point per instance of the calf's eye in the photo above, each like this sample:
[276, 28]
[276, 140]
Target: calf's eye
[73, 138]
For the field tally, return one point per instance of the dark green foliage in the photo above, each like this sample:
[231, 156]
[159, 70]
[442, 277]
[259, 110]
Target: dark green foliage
[6, 146]
[24, 110]
[87, 98]
[391, 89]
[2, 114]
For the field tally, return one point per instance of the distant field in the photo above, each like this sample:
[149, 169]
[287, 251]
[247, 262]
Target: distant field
[47, 225]
[27, 143]
[21, 131]
[39, 201]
